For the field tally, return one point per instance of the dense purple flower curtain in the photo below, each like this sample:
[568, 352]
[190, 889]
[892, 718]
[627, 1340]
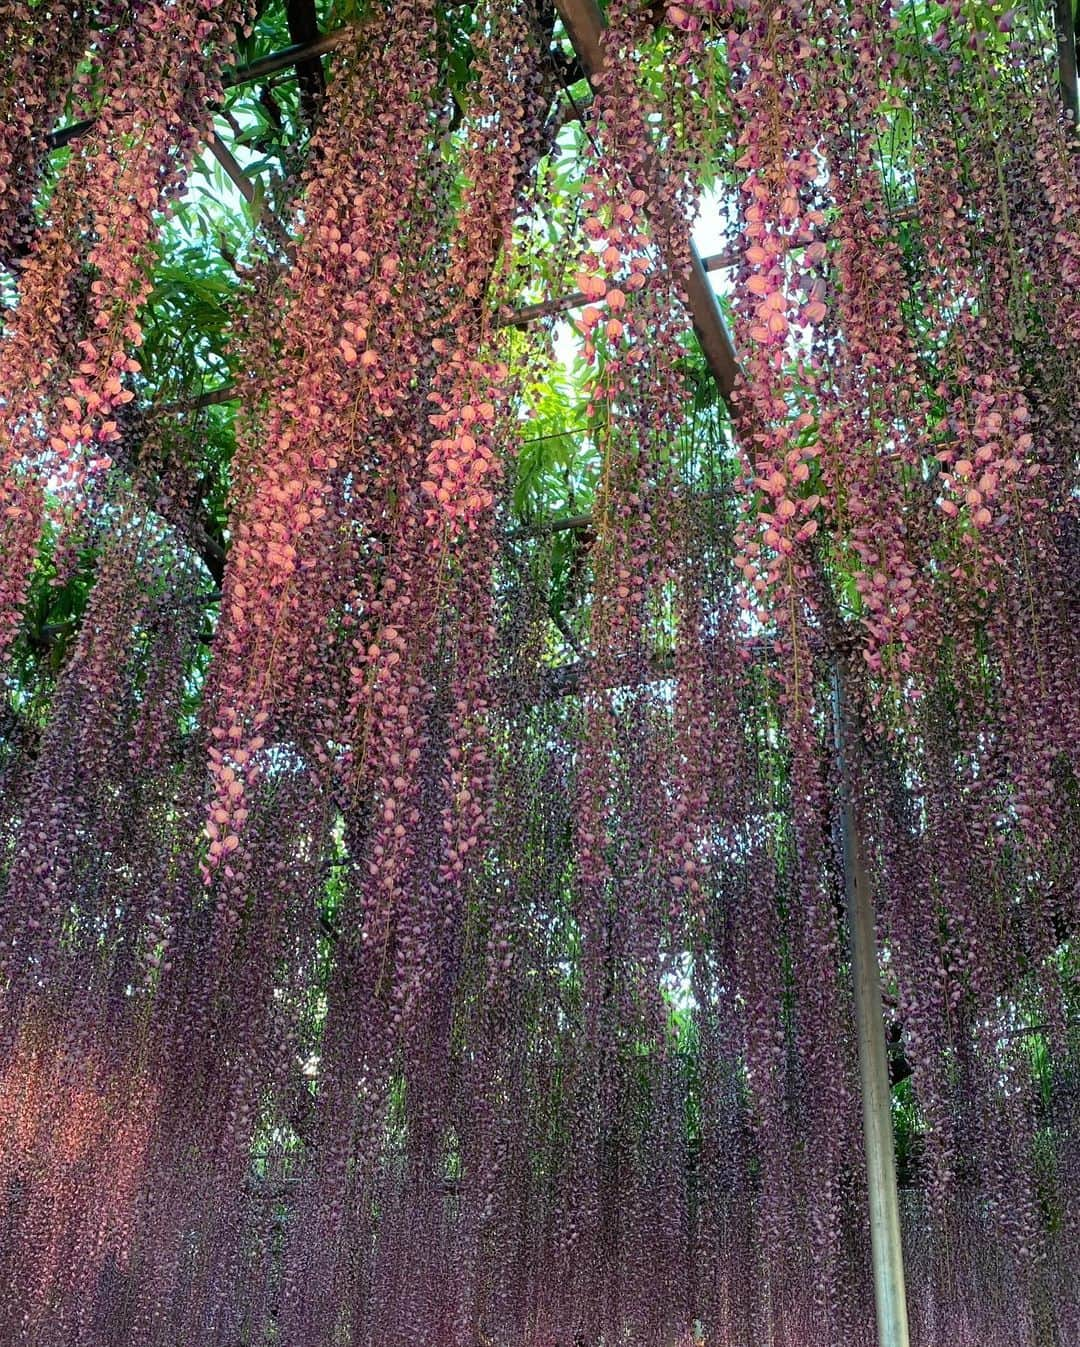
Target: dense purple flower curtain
[374, 985]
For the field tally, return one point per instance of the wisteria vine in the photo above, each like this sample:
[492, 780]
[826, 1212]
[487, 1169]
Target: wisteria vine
[405, 940]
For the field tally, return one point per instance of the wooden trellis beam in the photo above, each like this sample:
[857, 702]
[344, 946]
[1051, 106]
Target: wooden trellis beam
[299, 54]
[304, 29]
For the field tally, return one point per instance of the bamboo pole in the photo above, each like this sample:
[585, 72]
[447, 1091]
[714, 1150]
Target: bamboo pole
[890, 1301]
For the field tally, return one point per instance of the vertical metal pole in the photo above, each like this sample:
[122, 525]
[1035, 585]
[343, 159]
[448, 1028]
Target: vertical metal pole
[890, 1301]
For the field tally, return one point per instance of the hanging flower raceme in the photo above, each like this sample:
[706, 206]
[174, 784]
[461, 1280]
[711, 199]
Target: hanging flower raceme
[636, 880]
[64, 365]
[466, 459]
[300, 487]
[875, 411]
[42, 45]
[515, 1009]
[990, 464]
[463, 464]
[478, 428]
[76, 1137]
[46, 887]
[1005, 444]
[158, 102]
[782, 251]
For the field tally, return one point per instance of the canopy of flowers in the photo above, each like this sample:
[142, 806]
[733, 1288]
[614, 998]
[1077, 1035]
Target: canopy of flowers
[430, 701]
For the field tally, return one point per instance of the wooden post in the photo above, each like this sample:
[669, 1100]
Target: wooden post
[890, 1301]
[1065, 32]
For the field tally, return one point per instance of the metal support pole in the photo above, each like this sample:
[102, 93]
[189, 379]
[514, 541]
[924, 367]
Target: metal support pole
[890, 1301]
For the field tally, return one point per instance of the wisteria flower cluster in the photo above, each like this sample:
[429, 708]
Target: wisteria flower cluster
[369, 978]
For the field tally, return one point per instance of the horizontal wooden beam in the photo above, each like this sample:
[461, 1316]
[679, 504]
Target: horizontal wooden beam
[522, 317]
[297, 54]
